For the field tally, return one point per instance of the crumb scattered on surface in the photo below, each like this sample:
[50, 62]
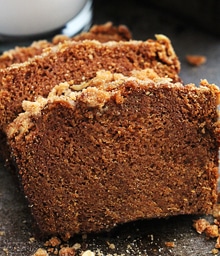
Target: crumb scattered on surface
[2, 233]
[5, 250]
[88, 253]
[215, 251]
[54, 241]
[196, 60]
[67, 251]
[32, 239]
[211, 230]
[111, 246]
[200, 225]
[40, 252]
[170, 244]
[76, 246]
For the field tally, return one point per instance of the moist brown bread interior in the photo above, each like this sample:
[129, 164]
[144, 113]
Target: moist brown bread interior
[117, 151]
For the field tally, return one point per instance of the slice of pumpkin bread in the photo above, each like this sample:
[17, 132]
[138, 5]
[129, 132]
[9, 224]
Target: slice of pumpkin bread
[116, 149]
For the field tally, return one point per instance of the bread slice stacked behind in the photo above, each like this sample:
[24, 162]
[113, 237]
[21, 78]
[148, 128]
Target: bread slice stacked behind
[76, 62]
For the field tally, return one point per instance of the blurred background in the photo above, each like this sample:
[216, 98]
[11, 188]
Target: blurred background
[192, 26]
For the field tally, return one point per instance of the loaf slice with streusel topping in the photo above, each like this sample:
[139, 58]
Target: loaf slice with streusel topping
[116, 149]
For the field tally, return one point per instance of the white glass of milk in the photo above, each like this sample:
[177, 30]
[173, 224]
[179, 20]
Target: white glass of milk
[29, 18]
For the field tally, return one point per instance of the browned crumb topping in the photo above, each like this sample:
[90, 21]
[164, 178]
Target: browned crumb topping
[196, 60]
[103, 33]
[21, 54]
[106, 32]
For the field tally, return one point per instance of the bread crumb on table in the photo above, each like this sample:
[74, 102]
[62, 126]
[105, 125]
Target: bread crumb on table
[5, 250]
[215, 251]
[40, 252]
[88, 253]
[200, 225]
[2, 233]
[196, 60]
[54, 241]
[211, 230]
[67, 251]
[170, 244]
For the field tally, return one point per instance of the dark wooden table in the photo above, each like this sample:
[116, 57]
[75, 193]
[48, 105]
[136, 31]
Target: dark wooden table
[146, 237]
